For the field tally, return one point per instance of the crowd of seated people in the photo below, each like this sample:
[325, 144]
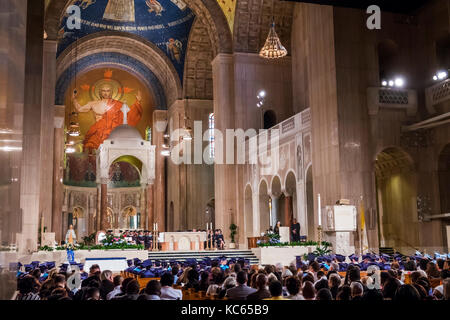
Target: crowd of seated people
[317, 279]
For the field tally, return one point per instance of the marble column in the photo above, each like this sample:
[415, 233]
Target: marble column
[98, 214]
[13, 15]
[57, 187]
[104, 206]
[47, 130]
[30, 167]
[159, 207]
[287, 210]
[149, 216]
[225, 181]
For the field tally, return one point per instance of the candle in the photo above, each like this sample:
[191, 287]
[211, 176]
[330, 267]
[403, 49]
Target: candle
[319, 205]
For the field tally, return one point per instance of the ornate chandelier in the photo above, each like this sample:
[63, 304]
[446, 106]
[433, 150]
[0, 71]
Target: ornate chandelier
[273, 49]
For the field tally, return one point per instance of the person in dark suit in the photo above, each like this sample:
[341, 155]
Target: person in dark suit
[262, 292]
[295, 231]
[106, 284]
[241, 291]
[277, 227]
[220, 241]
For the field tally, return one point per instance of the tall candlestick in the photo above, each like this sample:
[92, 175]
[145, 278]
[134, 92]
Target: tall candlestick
[320, 209]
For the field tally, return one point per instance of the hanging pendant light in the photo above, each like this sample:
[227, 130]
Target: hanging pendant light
[273, 49]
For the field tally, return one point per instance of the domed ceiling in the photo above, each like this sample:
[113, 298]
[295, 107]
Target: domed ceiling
[165, 23]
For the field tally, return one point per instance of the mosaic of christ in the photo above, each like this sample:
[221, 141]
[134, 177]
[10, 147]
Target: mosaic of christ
[98, 100]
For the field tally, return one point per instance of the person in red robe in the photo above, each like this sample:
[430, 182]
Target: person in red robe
[108, 116]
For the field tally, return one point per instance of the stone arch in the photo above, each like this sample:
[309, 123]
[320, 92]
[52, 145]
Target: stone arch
[248, 210]
[140, 171]
[396, 185]
[142, 57]
[197, 82]
[277, 204]
[252, 22]
[208, 11]
[130, 216]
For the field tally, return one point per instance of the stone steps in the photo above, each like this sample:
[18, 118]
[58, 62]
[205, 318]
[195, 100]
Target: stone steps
[213, 254]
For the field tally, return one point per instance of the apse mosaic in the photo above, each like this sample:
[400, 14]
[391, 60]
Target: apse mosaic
[97, 106]
[165, 23]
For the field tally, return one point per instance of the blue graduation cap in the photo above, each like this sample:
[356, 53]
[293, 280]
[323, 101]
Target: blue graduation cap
[50, 265]
[340, 258]
[353, 257]
[147, 263]
[29, 267]
[130, 262]
[43, 267]
[35, 263]
[385, 257]
[311, 257]
[428, 256]
[343, 266]
[320, 259]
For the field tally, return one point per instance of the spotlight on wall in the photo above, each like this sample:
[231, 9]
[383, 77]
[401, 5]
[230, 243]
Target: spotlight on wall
[261, 94]
[440, 75]
[384, 83]
[399, 82]
[391, 83]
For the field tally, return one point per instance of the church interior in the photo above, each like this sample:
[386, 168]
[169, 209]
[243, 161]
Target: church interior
[118, 119]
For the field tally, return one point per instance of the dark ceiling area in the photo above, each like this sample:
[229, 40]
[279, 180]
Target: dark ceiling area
[397, 6]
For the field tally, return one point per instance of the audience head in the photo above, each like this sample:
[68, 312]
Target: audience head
[354, 274]
[167, 279]
[106, 275]
[406, 292]
[275, 288]
[94, 270]
[334, 281]
[344, 293]
[27, 285]
[241, 277]
[314, 266]
[261, 281]
[373, 295]
[308, 290]
[390, 288]
[356, 289]
[237, 268]
[132, 287]
[324, 294]
[117, 280]
[92, 293]
[293, 285]
[125, 283]
[153, 288]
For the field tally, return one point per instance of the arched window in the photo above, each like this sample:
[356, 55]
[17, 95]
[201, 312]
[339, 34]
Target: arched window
[270, 119]
[211, 135]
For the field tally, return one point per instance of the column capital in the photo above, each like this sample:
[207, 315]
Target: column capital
[223, 58]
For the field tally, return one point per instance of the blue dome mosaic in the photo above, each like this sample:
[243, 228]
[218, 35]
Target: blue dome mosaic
[165, 23]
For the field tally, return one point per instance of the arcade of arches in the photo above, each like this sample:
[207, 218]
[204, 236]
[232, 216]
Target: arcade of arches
[142, 73]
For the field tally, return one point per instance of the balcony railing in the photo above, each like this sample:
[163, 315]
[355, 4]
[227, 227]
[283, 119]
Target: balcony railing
[436, 94]
[283, 131]
[382, 97]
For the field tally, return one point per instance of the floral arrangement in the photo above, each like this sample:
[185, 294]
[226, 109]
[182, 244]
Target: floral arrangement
[110, 242]
[273, 243]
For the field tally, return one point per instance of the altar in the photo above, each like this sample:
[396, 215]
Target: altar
[182, 241]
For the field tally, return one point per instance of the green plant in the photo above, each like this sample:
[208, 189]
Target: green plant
[233, 229]
[89, 240]
[323, 249]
